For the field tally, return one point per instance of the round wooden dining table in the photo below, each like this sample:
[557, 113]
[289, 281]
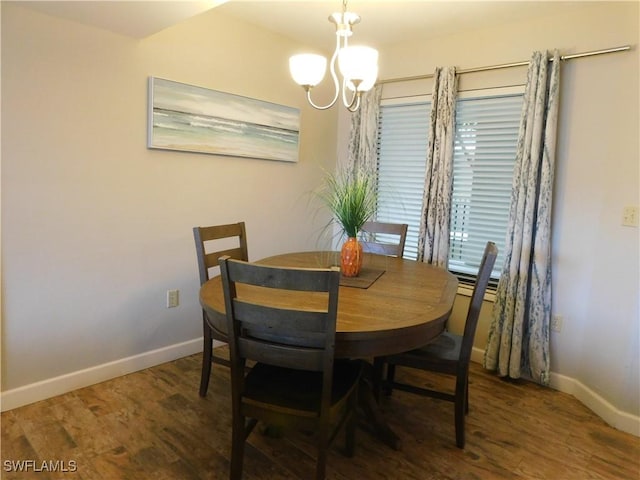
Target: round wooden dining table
[393, 306]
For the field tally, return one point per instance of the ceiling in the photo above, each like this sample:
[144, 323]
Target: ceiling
[136, 19]
[383, 22]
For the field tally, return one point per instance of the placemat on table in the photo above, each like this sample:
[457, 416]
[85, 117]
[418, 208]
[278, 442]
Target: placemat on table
[364, 280]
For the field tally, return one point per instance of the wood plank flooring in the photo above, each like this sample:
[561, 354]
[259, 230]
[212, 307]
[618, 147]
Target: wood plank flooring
[153, 425]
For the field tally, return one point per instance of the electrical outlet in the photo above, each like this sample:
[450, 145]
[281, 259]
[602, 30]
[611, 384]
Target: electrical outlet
[556, 323]
[630, 216]
[173, 298]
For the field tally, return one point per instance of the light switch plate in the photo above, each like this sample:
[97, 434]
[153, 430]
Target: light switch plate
[173, 298]
[630, 216]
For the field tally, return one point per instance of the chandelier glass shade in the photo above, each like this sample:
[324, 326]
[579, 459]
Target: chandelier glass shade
[358, 65]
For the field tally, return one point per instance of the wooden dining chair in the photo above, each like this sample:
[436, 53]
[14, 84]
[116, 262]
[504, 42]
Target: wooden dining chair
[448, 354]
[289, 331]
[372, 243]
[212, 243]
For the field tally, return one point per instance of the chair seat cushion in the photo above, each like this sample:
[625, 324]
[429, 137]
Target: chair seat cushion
[299, 389]
[443, 349]
[445, 346]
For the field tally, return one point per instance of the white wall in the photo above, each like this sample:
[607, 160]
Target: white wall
[95, 226]
[595, 258]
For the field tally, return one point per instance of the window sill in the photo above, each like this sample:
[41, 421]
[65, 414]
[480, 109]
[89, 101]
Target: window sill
[467, 291]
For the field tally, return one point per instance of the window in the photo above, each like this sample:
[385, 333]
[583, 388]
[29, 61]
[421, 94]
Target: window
[402, 152]
[484, 155]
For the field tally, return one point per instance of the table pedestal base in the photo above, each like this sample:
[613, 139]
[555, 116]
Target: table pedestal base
[373, 419]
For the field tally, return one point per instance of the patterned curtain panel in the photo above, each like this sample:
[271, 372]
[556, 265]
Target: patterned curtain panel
[363, 139]
[518, 341]
[433, 240]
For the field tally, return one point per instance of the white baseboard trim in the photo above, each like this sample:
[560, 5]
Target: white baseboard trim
[477, 355]
[52, 387]
[609, 413]
[619, 419]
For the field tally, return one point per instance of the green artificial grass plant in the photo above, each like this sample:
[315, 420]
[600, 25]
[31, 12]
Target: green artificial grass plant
[350, 194]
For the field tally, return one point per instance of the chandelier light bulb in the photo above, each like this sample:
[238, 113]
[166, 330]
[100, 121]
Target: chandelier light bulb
[359, 63]
[307, 69]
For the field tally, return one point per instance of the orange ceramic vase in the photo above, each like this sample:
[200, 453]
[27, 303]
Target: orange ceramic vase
[351, 257]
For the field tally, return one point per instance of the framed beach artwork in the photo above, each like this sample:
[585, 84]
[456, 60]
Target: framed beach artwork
[196, 119]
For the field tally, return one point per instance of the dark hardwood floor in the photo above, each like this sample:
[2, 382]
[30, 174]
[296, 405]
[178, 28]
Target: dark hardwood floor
[153, 425]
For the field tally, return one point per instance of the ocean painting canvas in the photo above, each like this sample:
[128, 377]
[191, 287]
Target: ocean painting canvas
[196, 119]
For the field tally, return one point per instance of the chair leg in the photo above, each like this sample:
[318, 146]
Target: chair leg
[323, 447]
[350, 427]
[391, 375]
[378, 367]
[460, 407]
[466, 401]
[237, 447]
[207, 353]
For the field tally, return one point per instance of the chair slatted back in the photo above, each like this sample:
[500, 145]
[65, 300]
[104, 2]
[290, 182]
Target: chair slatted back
[295, 331]
[371, 245]
[479, 289]
[209, 258]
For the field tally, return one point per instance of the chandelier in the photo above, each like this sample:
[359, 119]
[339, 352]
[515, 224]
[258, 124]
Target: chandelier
[358, 65]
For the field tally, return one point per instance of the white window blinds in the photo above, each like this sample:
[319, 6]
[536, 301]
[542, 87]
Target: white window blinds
[484, 155]
[402, 156]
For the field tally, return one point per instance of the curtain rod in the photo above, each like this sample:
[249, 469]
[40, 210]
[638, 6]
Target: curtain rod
[509, 65]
